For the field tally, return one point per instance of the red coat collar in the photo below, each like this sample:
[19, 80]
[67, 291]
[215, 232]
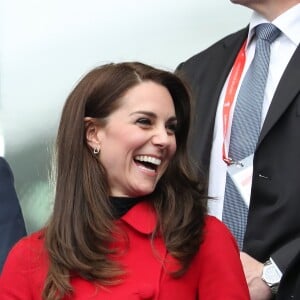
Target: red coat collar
[142, 217]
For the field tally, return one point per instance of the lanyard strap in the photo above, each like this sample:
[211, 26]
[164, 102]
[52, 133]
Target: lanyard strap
[232, 86]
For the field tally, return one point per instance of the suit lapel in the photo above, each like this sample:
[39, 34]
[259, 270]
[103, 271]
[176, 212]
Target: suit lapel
[288, 88]
[225, 60]
[219, 63]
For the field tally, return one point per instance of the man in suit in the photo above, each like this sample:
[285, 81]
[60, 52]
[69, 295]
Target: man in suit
[12, 226]
[272, 234]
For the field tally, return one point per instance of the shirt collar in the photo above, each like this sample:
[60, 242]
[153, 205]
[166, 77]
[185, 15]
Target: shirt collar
[288, 23]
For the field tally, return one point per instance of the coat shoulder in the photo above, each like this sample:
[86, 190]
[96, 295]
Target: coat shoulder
[231, 39]
[28, 252]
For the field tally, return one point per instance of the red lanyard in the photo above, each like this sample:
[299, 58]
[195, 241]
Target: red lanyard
[233, 82]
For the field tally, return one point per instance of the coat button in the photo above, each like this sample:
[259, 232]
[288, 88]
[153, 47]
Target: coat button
[146, 291]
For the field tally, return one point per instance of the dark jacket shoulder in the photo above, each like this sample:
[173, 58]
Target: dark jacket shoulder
[232, 39]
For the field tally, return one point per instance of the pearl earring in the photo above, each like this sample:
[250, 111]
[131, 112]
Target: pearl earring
[96, 150]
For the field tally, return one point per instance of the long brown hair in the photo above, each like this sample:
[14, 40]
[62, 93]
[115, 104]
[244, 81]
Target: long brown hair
[80, 229]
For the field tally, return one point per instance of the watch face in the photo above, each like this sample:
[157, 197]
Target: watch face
[270, 275]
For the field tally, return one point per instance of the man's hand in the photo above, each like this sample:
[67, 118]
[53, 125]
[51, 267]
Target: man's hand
[258, 289]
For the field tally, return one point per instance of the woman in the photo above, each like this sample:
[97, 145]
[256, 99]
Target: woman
[129, 219]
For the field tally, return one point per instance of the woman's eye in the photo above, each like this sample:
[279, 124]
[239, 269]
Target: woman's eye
[143, 121]
[172, 128]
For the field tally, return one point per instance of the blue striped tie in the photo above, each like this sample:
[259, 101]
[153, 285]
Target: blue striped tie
[246, 126]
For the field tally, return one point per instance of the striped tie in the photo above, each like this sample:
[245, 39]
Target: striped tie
[246, 126]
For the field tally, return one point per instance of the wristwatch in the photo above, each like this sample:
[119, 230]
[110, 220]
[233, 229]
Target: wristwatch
[271, 275]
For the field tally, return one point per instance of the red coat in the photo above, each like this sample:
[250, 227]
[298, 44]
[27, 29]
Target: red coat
[215, 273]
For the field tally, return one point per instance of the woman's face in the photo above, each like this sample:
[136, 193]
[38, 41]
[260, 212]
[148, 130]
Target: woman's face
[138, 140]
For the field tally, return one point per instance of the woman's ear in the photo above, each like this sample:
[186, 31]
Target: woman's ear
[91, 133]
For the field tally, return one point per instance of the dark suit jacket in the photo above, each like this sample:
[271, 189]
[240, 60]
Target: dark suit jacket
[12, 226]
[290, 283]
[273, 222]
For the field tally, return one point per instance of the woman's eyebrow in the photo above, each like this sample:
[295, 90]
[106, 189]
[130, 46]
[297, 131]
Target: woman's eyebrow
[172, 119]
[153, 115]
[144, 112]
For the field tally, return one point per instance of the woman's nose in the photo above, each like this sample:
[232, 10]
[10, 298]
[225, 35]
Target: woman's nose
[161, 138]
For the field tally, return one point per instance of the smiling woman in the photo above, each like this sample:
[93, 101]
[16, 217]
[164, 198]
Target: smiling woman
[44, 45]
[129, 218]
[137, 141]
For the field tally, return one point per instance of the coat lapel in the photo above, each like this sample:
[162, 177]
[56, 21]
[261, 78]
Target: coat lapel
[288, 88]
[207, 88]
[225, 61]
